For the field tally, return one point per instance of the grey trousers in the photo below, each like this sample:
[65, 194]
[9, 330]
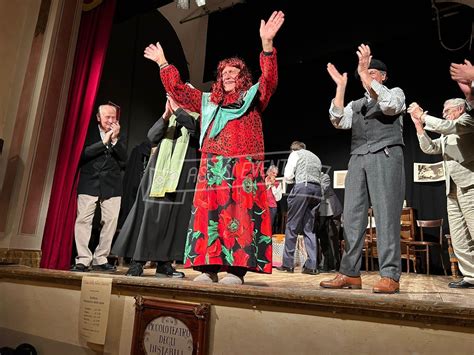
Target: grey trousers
[303, 203]
[381, 176]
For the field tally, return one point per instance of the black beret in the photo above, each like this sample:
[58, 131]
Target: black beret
[374, 64]
[377, 64]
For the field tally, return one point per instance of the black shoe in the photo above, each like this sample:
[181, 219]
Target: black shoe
[310, 271]
[460, 284]
[135, 269]
[79, 268]
[167, 270]
[286, 269]
[327, 270]
[104, 268]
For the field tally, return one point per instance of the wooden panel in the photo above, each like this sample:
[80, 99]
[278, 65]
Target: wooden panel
[48, 116]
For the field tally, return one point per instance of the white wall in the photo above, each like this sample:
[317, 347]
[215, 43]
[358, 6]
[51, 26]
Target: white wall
[47, 317]
[17, 25]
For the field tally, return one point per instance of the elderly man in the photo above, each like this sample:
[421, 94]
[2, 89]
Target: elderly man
[375, 171]
[303, 167]
[456, 145]
[100, 182]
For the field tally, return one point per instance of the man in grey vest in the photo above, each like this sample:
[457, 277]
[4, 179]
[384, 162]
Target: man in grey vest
[456, 145]
[304, 168]
[375, 172]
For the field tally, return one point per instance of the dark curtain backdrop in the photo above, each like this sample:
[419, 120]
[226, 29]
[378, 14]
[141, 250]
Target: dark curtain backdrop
[404, 36]
[131, 80]
[134, 83]
[94, 32]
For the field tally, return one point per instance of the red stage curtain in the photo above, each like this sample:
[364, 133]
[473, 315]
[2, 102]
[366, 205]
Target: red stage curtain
[92, 43]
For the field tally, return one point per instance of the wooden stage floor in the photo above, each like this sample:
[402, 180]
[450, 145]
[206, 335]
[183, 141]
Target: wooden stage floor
[412, 286]
[422, 298]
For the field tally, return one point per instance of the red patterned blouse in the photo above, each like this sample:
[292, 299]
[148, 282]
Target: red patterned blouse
[242, 136]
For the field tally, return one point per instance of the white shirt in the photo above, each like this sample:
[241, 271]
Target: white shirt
[290, 167]
[391, 102]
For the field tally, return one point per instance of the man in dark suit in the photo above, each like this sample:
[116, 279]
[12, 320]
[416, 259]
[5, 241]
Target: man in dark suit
[328, 225]
[100, 182]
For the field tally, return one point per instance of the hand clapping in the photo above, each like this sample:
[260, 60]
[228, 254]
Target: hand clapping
[115, 131]
[416, 112]
[365, 56]
[339, 79]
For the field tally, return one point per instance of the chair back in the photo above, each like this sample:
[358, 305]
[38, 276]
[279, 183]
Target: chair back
[407, 221]
[370, 231]
[431, 223]
[453, 259]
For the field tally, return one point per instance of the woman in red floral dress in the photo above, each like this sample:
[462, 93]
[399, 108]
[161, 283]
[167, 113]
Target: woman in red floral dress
[230, 226]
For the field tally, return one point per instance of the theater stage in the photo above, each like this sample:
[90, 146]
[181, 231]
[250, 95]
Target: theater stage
[285, 313]
[422, 298]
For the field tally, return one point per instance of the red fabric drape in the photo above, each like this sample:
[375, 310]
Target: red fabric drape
[94, 34]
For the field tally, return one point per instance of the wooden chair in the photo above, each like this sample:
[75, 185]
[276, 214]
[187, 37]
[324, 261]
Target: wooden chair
[407, 234]
[423, 247]
[370, 241]
[369, 249]
[452, 257]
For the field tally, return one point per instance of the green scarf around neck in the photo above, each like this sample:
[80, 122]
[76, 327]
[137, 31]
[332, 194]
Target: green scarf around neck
[169, 162]
[221, 115]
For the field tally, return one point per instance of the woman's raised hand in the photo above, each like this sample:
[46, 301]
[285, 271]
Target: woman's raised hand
[155, 53]
[269, 29]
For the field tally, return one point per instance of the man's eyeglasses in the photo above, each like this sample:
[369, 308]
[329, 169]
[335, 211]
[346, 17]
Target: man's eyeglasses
[449, 110]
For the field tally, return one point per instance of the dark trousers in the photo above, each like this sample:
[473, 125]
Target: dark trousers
[327, 231]
[303, 204]
[273, 214]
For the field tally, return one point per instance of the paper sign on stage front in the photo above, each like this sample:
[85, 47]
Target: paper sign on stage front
[94, 311]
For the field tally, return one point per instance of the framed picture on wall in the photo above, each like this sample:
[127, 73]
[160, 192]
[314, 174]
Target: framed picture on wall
[339, 179]
[424, 172]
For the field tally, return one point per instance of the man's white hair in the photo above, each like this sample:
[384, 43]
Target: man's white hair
[457, 102]
[101, 107]
[272, 167]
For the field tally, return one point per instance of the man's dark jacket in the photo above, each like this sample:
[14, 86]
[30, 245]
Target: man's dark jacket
[100, 166]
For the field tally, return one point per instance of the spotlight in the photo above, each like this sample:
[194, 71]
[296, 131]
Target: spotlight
[182, 4]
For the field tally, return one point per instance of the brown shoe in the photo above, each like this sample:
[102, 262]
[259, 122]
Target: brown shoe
[386, 285]
[343, 281]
